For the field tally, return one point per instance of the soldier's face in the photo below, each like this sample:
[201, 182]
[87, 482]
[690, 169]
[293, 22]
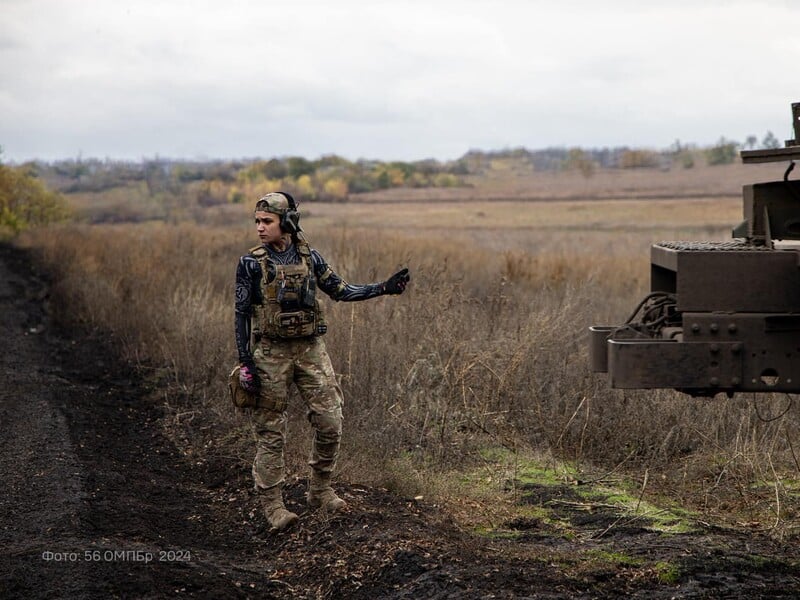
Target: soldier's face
[268, 226]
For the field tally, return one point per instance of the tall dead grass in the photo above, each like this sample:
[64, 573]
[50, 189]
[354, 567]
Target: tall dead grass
[486, 348]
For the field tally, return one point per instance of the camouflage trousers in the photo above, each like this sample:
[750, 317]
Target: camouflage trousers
[304, 362]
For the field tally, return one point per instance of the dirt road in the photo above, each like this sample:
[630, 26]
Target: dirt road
[95, 502]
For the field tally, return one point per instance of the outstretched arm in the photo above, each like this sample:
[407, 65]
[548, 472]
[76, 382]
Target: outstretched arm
[338, 289]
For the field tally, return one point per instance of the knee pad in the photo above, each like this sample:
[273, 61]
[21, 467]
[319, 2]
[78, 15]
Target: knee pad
[328, 425]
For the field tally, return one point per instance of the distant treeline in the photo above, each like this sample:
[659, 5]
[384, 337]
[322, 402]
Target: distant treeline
[178, 185]
[333, 178]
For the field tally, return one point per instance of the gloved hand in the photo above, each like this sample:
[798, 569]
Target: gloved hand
[396, 284]
[248, 378]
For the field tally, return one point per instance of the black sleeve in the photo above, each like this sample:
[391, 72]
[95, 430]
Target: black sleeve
[337, 288]
[248, 277]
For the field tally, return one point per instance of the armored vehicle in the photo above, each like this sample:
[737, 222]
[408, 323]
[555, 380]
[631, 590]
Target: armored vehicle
[721, 317]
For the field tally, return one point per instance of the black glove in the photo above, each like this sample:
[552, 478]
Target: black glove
[248, 377]
[396, 284]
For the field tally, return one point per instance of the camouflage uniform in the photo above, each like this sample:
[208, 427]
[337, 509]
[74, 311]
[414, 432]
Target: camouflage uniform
[306, 363]
[277, 306]
[280, 362]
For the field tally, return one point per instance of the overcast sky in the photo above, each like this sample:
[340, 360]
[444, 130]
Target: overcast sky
[402, 80]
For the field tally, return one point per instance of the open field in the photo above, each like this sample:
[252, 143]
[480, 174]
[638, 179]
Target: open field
[506, 179]
[456, 388]
[581, 227]
[502, 294]
[512, 208]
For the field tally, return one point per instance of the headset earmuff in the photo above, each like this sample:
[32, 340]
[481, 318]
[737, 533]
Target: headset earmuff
[290, 220]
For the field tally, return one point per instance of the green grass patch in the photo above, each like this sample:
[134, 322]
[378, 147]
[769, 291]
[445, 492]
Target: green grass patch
[790, 485]
[664, 519]
[527, 469]
[617, 559]
[535, 489]
[667, 572]
[497, 533]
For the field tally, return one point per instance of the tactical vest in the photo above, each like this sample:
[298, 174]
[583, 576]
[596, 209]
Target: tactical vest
[290, 308]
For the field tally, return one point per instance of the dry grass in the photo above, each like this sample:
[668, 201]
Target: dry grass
[556, 216]
[517, 181]
[486, 348]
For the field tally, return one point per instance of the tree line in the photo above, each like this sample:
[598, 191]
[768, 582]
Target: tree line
[31, 193]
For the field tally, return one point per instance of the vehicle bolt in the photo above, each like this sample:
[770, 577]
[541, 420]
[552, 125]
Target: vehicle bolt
[714, 348]
[732, 328]
[695, 327]
[714, 381]
[714, 328]
[736, 348]
[735, 380]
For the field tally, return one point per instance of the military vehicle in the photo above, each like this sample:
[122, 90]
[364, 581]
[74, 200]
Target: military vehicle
[721, 317]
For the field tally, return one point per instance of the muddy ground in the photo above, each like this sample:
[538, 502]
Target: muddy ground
[95, 502]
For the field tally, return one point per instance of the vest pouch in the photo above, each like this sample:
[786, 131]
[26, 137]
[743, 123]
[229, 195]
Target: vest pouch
[288, 295]
[295, 324]
[308, 293]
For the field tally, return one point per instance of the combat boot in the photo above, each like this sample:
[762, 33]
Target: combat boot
[321, 495]
[277, 514]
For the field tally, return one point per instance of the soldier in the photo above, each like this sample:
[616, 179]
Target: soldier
[276, 285]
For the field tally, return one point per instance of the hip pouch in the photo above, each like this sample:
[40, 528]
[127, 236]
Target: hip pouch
[239, 397]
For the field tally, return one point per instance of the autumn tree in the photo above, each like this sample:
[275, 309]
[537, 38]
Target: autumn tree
[579, 160]
[633, 159]
[299, 166]
[723, 153]
[25, 201]
[335, 188]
